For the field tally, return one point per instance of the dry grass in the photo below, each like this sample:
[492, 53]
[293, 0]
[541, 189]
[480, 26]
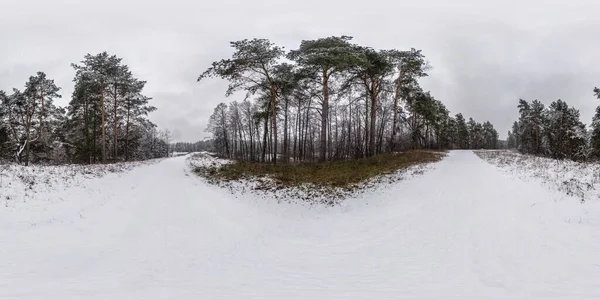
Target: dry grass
[338, 174]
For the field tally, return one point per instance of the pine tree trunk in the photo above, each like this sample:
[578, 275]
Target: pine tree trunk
[251, 140]
[297, 133]
[537, 138]
[285, 133]
[115, 126]
[396, 102]
[324, 116]
[95, 134]
[264, 147]
[27, 136]
[127, 133]
[86, 129]
[274, 117]
[103, 126]
[373, 129]
[367, 127]
[41, 129]
[349, 146]
[330, 139]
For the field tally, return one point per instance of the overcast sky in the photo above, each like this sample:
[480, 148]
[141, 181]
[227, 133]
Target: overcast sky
[486, 54]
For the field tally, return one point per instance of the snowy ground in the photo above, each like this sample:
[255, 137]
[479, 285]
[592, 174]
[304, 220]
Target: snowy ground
[34, 185]
[462, 230]
[581, 180]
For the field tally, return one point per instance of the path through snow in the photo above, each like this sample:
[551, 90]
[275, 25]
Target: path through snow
[463, 230]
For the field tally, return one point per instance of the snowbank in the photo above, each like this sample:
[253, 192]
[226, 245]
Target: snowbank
[20, 184]
[580, 180]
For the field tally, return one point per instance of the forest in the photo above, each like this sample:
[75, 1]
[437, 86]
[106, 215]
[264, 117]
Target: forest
[332, 99]
[555, 131]
[106, 120]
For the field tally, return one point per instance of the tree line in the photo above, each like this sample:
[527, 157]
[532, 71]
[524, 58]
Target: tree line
[205, 145]
[331, 99]
[555, 131]
[106, 119]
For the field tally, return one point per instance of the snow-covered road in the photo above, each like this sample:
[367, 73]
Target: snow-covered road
[463, 230]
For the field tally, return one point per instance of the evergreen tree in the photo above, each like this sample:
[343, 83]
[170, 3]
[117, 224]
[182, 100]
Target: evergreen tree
[411, 66]
[462, 132]
[531, 124]
[566, 134]
[490, 136]
[595, 136]
[511, 141]
[107, 101]
[325, 57]
[28, 114]
[251, 68]
[473, 134]
[515, 134]
[4, 128]
[99, 71]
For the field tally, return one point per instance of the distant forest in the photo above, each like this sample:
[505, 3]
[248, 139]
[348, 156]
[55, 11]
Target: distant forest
[200, 146]
[331, 99]
[555, 131]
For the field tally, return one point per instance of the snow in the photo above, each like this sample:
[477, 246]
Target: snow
[462, 230]
[578, 179]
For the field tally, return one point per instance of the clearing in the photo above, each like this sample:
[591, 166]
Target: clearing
[463, 229]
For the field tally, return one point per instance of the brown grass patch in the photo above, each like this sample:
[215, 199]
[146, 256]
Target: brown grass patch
[342, 174]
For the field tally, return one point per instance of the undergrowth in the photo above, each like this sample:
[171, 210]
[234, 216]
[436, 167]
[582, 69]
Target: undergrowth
[333, 174]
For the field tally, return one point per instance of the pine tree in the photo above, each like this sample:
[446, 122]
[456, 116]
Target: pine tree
[531, 127]
[325, 57]
[28, 113]
[99, 71]
[515, 133]
[566, 134]
[107, 101]
[4, 128]
[595, 138]
[511, 141]
[462, 132]
[251, 68]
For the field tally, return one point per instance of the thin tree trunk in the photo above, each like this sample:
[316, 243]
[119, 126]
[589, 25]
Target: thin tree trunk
[396, 103]
[264, 148]
[274, 117]
[367, 133]
[127, 132]
[324, 116]
[373, 129]
[285, 133]
[115, 125]
[297, 133]
[349, 146]
[103, 126]
[95, 133]
[86, 129]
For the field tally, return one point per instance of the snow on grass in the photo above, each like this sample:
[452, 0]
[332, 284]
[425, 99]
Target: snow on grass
[19, 184]
[267, 187]
[577, 179]
[43, 194]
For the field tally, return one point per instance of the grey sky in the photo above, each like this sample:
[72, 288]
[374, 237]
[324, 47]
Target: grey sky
[486, 54]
